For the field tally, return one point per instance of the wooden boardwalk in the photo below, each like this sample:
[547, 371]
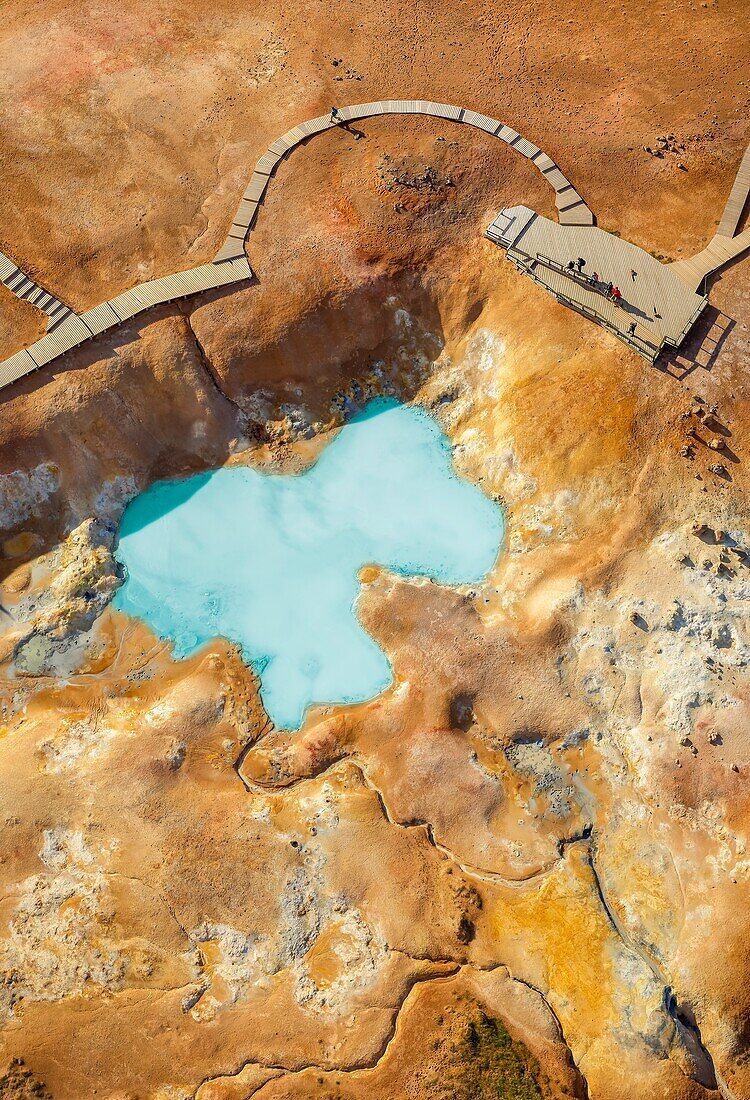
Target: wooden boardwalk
[726, 244]
[660, 306]
[572, 210]
[719, 251]
[68, 330]
[24, 287]
[662, 301]
[74, 329]
[730, 219]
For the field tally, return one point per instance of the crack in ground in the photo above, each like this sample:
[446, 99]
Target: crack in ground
[476, 873]
[287, 1071]
[479, 873]
[455, 969]
[682, 1023]
[451, 965]
[208, 367]
[558, 1026]
[688, 1029]
[157, 893]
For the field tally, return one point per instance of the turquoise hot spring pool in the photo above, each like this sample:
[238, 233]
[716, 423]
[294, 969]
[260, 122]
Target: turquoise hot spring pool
[271, 561]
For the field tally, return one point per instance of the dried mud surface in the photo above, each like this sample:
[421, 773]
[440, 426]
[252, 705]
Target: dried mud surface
[522, 871]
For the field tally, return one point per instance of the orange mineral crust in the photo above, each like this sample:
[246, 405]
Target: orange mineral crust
[521, 871]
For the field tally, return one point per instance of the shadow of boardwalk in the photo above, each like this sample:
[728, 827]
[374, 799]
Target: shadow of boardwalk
[701, 348]
[108, 344]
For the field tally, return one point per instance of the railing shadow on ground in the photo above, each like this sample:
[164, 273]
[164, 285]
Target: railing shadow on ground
[700, 348]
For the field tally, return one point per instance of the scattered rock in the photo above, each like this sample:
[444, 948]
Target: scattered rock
[423, 178]
[19, 1083]
[466, 930]
[176, 755]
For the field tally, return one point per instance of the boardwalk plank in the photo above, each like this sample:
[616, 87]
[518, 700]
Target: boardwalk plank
[737, 199]
[16, 367]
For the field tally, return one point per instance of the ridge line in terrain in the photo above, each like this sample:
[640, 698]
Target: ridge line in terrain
[419, 980]
[668, 998]
[479, 873]
[208, 366]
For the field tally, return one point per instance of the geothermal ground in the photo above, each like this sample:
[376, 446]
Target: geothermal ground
[522, 871]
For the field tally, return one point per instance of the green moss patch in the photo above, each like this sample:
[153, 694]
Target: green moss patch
[487, 1063]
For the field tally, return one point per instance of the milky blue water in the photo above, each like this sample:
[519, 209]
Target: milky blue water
[270, 561]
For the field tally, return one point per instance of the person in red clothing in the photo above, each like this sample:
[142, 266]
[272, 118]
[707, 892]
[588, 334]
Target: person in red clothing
[616, 294]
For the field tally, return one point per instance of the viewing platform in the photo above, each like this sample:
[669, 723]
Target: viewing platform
[657, 308]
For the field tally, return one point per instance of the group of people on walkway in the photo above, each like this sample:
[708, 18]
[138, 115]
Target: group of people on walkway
[608, 289]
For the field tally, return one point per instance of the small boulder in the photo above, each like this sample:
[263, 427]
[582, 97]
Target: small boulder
[466, 931]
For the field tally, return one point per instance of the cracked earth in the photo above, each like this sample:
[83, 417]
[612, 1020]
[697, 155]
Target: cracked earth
[521, 872]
